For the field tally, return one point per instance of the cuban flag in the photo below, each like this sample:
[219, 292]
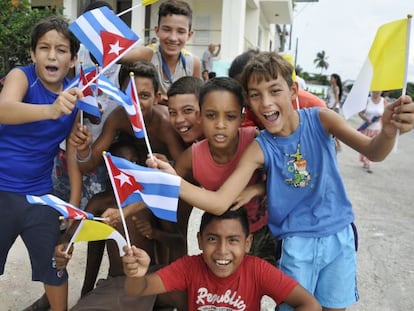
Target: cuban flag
[104, 34]
[89, 103]
[135, 183]
[107, 87]
[67, 210]
[133, 110]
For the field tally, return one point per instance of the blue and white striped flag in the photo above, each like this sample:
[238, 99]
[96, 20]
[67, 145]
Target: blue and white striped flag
[67, 210]
[104, 34]
[158, 190]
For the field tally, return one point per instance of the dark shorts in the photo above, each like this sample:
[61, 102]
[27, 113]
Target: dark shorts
[38, 226]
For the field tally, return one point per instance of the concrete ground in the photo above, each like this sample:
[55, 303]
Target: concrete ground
[383, 204]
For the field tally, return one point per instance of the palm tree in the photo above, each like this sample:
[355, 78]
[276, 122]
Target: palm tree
[320, 61]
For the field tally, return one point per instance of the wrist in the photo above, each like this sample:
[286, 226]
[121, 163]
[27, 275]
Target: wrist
[81, 157]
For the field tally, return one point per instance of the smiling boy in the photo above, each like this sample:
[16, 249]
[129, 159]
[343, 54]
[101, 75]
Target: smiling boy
[169, 57]
[223, 276]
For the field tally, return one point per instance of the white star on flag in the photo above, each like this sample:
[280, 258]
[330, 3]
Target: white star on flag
[123, 179]
[115, 48]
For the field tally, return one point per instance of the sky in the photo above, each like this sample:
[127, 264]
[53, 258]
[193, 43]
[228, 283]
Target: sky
[345, 30]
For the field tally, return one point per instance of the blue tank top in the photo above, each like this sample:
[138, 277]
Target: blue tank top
[306, 194]
[27, 150]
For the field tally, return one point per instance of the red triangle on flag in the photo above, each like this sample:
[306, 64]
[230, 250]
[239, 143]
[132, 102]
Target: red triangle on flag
[125, 183]
[84, 81]
[113, 46]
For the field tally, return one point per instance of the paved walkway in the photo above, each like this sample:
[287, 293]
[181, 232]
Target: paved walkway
[383, 203]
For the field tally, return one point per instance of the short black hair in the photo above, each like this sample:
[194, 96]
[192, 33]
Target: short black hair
[222, 84]
[185, 85]
[239, 214]
[237, 65]
[175, 7]
[61, 25]
[139, 69]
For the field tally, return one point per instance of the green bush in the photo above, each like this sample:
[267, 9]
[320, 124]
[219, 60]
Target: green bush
[16, 22]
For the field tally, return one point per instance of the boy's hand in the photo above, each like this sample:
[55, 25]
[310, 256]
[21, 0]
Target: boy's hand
[81, 139]
[144, 227]
[112, 216]
[61, 257]
[153, 162]
[65, 103]
[398, 115]
[135, 262]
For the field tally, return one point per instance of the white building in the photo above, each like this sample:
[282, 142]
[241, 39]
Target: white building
[236, 24]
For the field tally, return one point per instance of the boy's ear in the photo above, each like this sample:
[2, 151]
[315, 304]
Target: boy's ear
[294, 90]
[248, 243]
[73, 61]
[190, 34]
[200, 243]
[33, 56]
[159, 97]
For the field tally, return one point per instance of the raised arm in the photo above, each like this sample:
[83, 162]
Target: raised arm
[397, 117]
[14, 111]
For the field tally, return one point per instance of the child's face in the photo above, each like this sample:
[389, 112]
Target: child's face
[220, 119]
[146, 94]
[224, 245]
[173, 32]
[271, 102]
[185, 116]
[53, 59]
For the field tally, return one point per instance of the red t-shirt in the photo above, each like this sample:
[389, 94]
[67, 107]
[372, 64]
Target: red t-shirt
[211, 175]
[242, 290]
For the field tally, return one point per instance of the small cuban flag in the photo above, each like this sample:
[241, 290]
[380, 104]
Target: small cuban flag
[104, 34]
[134, 183]
[67, 210]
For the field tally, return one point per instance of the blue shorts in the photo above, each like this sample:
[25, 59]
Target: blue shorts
[325, 266]
[38, 226]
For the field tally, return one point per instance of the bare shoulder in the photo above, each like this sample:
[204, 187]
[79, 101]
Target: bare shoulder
[15, 85]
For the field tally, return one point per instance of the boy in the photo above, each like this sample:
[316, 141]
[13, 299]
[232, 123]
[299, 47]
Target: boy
[210, 161]
[35, 116]
[304, 98]
[108, 294]
[223, 277]
[184, 109]
[169, 57]
[162, 137]
[307, 203]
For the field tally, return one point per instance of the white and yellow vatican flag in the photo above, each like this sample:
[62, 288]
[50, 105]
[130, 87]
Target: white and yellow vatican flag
[385, 68]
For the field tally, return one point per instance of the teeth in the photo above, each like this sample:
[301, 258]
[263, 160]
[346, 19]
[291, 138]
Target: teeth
[222, 262]
[183, 129]
[268, 114]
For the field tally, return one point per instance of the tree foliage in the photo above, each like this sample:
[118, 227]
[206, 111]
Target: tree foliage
[16, 21]
[321, 61]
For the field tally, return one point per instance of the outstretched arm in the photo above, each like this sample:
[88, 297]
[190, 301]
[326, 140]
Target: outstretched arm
[14, 111]
[398, 116]
[217, 202]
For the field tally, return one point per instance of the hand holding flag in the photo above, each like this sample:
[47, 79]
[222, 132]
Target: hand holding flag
[385, 67]
[158, 190]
